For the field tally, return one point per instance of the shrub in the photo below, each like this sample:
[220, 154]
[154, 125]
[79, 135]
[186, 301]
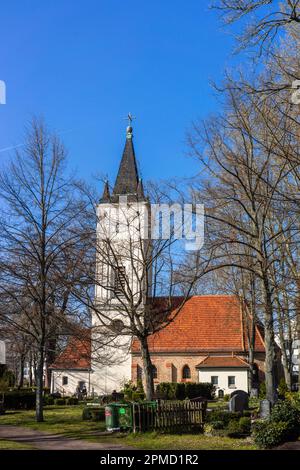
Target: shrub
[226, 397]
[138, 396]
[223, 416]
[180, 391]
[49, 400]
[245, 425]
[217, 425]
[19, 400]
[60, 401]
[234, 429]
[285, 412]
[86, 414]
[269, 434]
[166, 390]
[72, 401]
[93, 414]
[294, 398]
[282, 388]
[262, 390]
[129, 388]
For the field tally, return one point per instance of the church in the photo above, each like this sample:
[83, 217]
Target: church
[207, 341]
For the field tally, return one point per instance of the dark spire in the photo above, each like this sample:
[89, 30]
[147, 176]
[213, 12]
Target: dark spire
[140, 190]
[127, 178]
[106, 193]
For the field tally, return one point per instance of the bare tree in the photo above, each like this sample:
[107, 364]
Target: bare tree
[39, 226]
[272, 18]
[246, 169]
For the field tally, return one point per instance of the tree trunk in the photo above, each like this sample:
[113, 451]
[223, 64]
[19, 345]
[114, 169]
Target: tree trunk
[39, 384]
[270, 365]
[21, 378]
[30, 370]
[149, 385]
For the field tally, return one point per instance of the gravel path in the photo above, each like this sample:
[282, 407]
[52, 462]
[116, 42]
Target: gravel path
[44, 441]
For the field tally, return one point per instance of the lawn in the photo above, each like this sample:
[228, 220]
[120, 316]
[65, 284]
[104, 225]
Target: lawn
[12, 445]
[66, 420]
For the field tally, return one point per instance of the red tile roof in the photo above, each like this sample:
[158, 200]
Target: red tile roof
[205, 324]
[219, 362]
[76, 355]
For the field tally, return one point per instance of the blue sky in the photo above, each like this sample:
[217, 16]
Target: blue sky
[84, 64]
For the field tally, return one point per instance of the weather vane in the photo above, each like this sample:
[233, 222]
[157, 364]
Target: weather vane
[129, 118]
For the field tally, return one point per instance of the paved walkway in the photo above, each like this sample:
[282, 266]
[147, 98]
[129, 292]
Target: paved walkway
[44, 441]
[294, 445]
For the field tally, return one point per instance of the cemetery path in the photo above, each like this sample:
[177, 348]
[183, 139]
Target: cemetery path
[45, 441]
[294, 445]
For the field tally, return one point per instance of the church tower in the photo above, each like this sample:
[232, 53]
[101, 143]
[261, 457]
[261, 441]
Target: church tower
[122, 246]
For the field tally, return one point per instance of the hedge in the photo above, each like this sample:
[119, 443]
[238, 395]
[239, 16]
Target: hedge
[180, 391]
[19, 400]
[283, 425]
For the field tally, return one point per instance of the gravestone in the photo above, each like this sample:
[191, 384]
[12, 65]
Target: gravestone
[254, 393]
[239, 401]
[264, 409]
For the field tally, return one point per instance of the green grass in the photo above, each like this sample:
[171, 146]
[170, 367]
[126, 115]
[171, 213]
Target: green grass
[220, 405]
[12, 445]
[66, 420]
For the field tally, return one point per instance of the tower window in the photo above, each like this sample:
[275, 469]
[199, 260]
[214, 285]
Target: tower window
[119, 280]
[186, 372]
[154, 372]
[65, 380]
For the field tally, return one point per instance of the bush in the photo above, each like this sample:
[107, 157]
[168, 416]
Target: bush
[72, 401]
[262, 390]
[49, 400]
[180, 391]
[223, 416]
[138, 396]
[166, 390]
[60, 401]
[234, 429]
[285, 412]
[226, 397]
[245, 425]
[217, 424]
[129, 389]
[86, 414]
[19, 400]
[282, 388]
[93, 414]
[294, 398]
[269, 434]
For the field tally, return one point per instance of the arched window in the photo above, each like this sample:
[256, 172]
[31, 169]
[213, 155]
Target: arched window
[186, 372]
[154, 372]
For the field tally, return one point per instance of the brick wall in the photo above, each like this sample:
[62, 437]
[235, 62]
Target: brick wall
[170, 367]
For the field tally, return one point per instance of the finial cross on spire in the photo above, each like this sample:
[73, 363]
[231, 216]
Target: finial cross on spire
[129, 118]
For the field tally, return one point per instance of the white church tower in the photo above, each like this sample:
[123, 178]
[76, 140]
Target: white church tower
[122, 245]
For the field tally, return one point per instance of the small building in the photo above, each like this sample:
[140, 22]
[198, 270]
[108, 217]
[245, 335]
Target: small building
[206, 342]
[71, 370]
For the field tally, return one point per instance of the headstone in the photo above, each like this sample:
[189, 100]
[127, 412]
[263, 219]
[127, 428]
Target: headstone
[239, 401]
[264, 409]
[254, 393]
